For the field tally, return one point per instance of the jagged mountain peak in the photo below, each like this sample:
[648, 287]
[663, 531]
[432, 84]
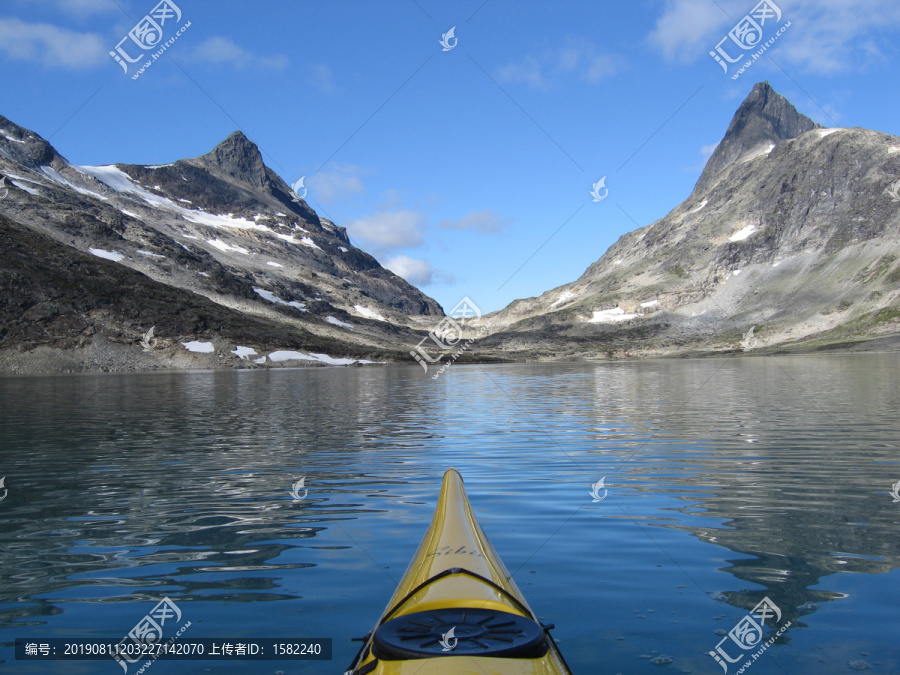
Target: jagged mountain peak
[26, 147]
[764, 119]
[797, 243]
[238, 157]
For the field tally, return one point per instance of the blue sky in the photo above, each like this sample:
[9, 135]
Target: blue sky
[468, 170]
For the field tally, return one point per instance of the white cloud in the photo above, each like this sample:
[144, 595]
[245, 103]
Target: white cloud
[417, 272]
[322, 78]
[686, 27]
[399, 229]
[480, 221]
[526, 71]
[218, 50]
[825, 36]
[708, 150]
[50, 45]
[575, 59]
[339, 182]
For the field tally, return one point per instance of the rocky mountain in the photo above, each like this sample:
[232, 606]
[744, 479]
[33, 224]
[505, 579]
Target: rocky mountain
[215, 252]
[790, 240]
[762, 121]
[793, 231]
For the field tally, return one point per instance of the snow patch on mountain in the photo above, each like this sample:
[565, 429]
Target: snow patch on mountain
[222, 246]
[56, 177]
[199, 347]
[368, 313]
[743, 233]
[271, 297]
[610, 316]
[115, 256]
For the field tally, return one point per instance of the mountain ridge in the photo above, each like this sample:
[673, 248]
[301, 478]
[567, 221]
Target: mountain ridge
[764, 118]
[797, 239]
[790, 240]
[223, 226]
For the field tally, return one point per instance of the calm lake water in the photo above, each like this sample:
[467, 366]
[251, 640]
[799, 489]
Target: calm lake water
[727, 481]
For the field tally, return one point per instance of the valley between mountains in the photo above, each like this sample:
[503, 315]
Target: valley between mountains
[792, 230]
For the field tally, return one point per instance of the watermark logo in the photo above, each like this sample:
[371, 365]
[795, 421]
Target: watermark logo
[749, 342]
[3, 189]
[447, 336]
[595, 490]
[748, 633]
[895, 492]
[296, 487]
[893, 191]
[748, 34]
[148, 34]
[5, 490]
[446, 38]
[595, 190]
[148, 342]
[295, 189]
[448, 640]
[147, 632]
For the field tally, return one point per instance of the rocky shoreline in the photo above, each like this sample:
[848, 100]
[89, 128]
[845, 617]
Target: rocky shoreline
[104, 356]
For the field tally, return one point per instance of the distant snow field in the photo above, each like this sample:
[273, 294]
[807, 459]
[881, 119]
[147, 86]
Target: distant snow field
[286, 355]
[337, 322]
[56, 177]
[115, 256]
[289, 355]
[21, 186]
[273, 263]
[566, 295]
[199, 347]
[368, 313]
[120, 181]
[222, 246]
[743, 233]
[18, 177]
[271, 297]
[309, 242]
[213, 220]
[758, 152]
[324, 358]
[610, 316]
[243, 352]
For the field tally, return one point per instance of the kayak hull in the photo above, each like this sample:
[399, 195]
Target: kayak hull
[457, 608]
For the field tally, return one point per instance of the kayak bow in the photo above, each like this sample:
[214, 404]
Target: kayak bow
[457, 609]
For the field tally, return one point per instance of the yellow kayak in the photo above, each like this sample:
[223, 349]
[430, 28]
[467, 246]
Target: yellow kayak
[457, 609]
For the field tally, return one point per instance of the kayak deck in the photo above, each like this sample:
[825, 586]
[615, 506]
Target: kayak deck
[457, 608]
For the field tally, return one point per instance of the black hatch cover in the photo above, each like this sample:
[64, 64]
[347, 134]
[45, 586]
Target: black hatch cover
[459, 632]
